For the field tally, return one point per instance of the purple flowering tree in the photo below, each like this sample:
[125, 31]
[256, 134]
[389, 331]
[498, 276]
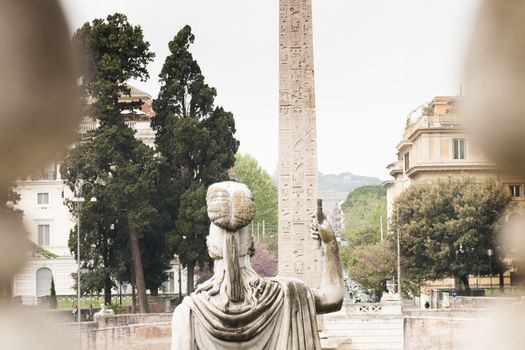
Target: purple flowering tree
[264, 263]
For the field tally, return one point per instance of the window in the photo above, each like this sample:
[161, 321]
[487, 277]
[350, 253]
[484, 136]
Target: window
[43, 235]
[407, 161]
[515, 190]
[43, 198]
[43, 281]
[459, 148]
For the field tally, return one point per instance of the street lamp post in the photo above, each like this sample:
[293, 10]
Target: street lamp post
[490, 252]
[79, 185]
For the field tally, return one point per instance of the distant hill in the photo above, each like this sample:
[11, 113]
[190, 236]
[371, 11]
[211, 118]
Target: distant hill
[334, 189]
[363, 209]
[342, 183]
[345, 182]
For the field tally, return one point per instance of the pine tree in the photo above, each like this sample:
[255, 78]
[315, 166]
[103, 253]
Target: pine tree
[197, 147]
[121, 168]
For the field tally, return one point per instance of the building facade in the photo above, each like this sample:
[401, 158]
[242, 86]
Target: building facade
[49, 222]
[437, 146]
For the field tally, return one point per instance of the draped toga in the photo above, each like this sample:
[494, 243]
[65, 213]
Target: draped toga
[281, 315]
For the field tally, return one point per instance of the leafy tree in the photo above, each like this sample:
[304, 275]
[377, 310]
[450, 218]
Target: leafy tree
[363, 209]
[122, 170]
[372, 265]
[264, 193]
[447, 227]
[365, 236]
[9, 198]
[197, 147]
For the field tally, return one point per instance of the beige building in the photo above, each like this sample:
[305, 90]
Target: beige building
[436, 145]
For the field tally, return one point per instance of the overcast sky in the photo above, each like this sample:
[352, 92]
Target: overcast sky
[375, 61]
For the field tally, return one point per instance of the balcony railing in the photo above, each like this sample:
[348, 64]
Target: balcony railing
[44, 175]
[434, 121]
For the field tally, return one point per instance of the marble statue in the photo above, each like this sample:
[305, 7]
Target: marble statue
[104, 311]
[238, 309]
[391, 294]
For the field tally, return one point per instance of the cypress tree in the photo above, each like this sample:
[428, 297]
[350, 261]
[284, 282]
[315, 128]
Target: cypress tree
[196, 142]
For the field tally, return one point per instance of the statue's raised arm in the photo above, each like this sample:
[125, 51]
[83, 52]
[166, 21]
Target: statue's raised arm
[238, 309]
[329, 297]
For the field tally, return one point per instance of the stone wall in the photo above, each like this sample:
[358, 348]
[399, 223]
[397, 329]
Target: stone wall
[127, 332]
[383, 326]
[441, 329]
[463, 302]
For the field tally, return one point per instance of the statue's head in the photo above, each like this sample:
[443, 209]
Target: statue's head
[231, 209]
[230, 205]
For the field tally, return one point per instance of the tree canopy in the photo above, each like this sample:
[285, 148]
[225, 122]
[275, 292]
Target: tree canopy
[264, 193]
[447, 227]
[367, 259]
[363, 209]
[371, 265]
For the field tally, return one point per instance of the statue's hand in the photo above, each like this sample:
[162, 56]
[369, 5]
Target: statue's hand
[321, 231]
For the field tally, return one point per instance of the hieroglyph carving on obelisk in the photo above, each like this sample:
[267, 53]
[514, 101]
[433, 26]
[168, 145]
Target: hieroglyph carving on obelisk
[298, 255]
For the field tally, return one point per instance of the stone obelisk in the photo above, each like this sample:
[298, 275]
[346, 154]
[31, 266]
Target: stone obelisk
[299, 255]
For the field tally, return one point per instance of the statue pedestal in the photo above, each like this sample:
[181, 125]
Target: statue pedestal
[391, 304]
